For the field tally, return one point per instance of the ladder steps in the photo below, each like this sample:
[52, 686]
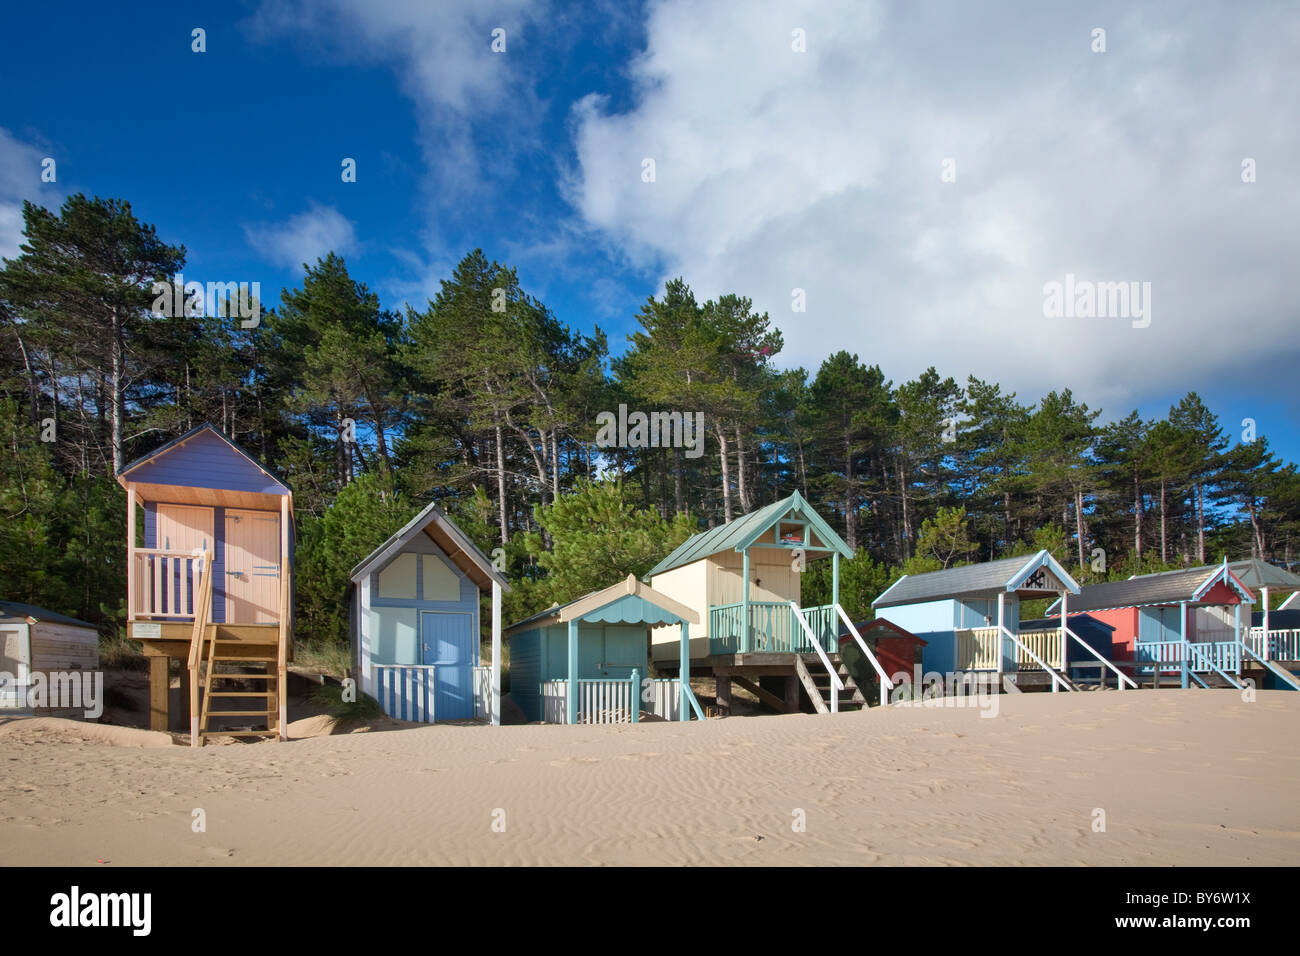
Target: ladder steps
[237, 713]
[238, 733]
[220, 676]
[239, 693]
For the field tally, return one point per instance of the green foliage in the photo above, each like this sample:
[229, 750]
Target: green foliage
[364, 515]
[944, 540]
[597, 538]
[862, 580]
[330, 697]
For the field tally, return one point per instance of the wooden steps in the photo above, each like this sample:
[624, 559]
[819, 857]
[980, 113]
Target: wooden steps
[817, 683]
[221, 643]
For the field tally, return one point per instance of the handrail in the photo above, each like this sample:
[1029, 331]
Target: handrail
[1281, 672]
[885, 682]
[837, 684]
[1065, 682]
[689, 695]
[168, 553]
[1093, 651]
[1195, 647]
[202, 604]
[202, 612]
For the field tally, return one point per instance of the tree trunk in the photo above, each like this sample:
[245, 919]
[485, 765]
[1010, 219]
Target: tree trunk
[907, 511]
[726, 472]
[501, 480]
[746, 504]
[1137, 516]
[1200, 523]
[1078, 523]
[117, 389]
[1164, 528]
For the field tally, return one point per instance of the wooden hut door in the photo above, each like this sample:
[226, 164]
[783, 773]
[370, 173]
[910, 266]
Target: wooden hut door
[448, 644]
[180, 528]
[252, 567]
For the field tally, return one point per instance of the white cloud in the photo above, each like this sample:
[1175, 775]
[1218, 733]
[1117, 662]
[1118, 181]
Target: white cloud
[821, 171]
[304, 237]
[20, 178]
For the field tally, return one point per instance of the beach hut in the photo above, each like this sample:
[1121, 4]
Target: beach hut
[36, 640]
[969, 617]
[209, 583]
[587, 661]
[414, 622]
[1185, 624]
[743, 579]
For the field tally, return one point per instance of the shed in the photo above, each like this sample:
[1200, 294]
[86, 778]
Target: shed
[584, 662]
[970, 615]
[414, 622]
[36, 640]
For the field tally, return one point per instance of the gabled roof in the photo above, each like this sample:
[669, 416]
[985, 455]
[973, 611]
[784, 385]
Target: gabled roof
[1014, 574]
[742, 532]
[206, 429]
[33, 614]
[647, 606]
[1256, 574]
[434, 522]
[1187, 585]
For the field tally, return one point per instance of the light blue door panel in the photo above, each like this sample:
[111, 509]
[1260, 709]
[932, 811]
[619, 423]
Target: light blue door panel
[448, 644]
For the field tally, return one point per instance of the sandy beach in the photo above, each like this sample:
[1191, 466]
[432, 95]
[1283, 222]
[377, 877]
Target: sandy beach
[1183, 777]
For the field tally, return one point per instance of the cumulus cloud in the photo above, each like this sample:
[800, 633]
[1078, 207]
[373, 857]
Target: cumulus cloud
[779, 170]
[20, 178]
[304, 237]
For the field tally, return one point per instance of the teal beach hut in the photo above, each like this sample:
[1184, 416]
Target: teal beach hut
[588, 661]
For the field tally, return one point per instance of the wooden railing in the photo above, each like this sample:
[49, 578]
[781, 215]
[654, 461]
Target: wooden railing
[772, 628]
[600, 700]
[886, 685]
[1170, 655]
[977, 649]
[202, 615]
[1281, 645]
[166, 582]
[1046, 644]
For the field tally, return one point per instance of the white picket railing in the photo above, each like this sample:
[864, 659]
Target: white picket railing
[406, 691]
[483, 692]
[555, 701]
[837, 684]
[605, 701]
[166, 582]
[1282, 645]
[665, 698]
[886, 685]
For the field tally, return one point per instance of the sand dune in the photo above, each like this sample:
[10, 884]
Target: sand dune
[1183, 777]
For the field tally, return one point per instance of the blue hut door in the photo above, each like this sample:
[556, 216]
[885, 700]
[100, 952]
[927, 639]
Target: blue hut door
[448, 644]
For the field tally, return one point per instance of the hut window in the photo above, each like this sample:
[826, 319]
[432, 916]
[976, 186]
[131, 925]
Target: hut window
[440, 581]
[397, 579]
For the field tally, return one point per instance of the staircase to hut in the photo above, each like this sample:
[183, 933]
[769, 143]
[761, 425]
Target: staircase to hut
[241, 683]
[816, 681]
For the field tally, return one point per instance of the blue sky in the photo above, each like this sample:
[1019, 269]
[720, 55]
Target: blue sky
[776, 169]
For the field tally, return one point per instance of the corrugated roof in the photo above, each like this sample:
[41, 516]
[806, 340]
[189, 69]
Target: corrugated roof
[16, 609]
[968, 580]
[739, 530]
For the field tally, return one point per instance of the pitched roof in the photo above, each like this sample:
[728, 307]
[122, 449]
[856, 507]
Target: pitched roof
[16, 609]
[589, 604]
[1256, 574]
[462, 551]
[206, 427]
[1188, 585]
[970, 580]
[740, 533]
